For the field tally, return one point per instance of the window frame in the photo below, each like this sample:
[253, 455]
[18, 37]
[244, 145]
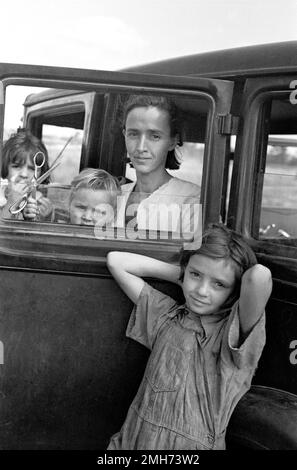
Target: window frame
[64, 105]
[249, 167]
[44, 247]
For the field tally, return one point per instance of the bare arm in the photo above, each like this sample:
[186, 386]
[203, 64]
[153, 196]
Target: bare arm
[129, 268]
[256, 286]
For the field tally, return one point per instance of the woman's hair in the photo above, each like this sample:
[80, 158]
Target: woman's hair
[164, 104]
[219, 242]
[18, 148]
[95, 179]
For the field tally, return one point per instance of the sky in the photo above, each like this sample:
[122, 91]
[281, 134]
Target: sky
[113, 34]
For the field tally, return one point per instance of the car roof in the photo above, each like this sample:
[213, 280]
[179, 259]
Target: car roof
[235, 63]
[48, 94]
[263, 59]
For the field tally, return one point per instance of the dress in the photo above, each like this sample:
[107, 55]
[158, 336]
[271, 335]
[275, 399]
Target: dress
[194, 377]
[173, 207]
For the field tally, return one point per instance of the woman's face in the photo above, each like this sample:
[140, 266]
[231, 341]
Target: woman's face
[148, 139]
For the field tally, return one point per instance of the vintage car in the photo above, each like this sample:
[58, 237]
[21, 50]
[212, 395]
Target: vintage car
[68, 373]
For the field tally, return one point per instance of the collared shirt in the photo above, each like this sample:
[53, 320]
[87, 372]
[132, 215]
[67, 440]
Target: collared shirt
[196, 374]
[173, 207]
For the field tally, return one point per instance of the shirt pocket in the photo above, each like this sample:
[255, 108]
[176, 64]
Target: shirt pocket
[166, 369]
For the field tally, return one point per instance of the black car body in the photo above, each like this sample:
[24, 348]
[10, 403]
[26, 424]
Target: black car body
[69, 374]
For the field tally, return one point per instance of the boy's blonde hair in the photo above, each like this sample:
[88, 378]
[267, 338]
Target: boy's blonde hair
[96, 179]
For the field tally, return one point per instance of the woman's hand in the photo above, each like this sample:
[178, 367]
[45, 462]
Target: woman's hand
[256, 286]
[129, 268]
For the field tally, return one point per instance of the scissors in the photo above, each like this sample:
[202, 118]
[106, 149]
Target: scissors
[39, 161]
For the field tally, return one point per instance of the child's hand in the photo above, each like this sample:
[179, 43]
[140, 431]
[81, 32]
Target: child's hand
[31, 211]
[37, 208]
[15, 190]
[45, 206]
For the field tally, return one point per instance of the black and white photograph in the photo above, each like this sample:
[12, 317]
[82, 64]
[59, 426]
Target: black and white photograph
[148, 230]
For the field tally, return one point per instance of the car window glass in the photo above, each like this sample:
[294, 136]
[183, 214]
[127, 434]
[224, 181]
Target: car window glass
[278, 217]
[69, 141]
[59, 119]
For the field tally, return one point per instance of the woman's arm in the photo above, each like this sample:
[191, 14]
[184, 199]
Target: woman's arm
[256, 286]
[129, 268]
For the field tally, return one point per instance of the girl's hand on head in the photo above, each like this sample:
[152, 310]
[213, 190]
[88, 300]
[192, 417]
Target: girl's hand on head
[257, 273]
[41, 208]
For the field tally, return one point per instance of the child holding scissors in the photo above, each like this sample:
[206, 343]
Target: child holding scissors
[18, 169]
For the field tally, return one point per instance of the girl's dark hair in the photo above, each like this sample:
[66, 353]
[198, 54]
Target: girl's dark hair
[163, 103]
[219, 242]
[19, 147]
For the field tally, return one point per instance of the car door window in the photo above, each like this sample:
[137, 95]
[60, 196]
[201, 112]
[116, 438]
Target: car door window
[90, 117]
[61, 129]
[279, 199]
[278, 217]
[67, 140]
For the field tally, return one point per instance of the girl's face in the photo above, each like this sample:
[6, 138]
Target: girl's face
[148, 139]
[21, 173]
[208, 283]
[91, 207]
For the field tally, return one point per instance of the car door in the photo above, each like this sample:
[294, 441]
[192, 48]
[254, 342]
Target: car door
[267, 158]
[68, 372]
[263, 206]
